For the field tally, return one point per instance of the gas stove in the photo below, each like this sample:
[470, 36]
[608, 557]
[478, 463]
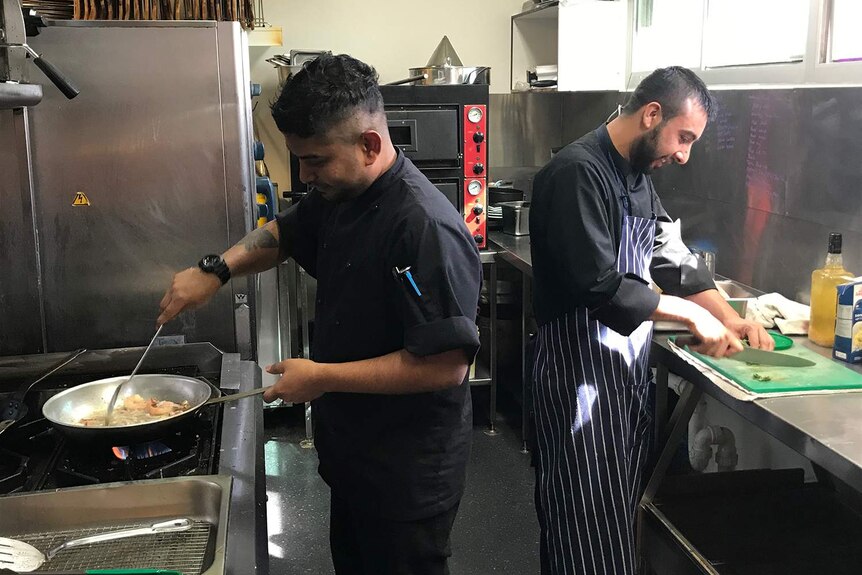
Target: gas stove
[35, 456]
[37, 460]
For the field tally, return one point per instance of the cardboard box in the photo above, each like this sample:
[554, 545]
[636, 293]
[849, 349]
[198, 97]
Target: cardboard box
[848, 323]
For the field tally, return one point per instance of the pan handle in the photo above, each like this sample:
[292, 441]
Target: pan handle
[408, 80]
[235, 396]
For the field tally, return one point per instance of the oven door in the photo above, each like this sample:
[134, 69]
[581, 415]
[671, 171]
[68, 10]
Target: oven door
[428, 135]
[451, 188]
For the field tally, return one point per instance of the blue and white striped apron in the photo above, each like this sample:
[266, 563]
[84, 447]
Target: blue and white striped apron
[590, 394]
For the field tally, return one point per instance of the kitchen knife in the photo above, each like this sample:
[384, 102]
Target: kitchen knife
[752, 355]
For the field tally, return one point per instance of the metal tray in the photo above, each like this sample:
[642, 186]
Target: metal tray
[45, 519]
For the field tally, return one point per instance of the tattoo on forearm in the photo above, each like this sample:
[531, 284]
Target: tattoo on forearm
[261, 238]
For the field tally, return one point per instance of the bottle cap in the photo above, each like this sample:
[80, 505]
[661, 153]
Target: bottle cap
[834, 243]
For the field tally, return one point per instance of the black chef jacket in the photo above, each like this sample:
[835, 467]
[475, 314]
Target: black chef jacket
[579, 202]
[402, 457]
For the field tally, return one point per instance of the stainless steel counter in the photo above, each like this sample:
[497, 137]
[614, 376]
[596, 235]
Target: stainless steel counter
[514, 250]
[826, 429]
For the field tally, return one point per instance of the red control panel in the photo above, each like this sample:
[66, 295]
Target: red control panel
[475, 172]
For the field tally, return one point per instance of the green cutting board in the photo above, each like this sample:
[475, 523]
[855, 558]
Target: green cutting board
[826, 374]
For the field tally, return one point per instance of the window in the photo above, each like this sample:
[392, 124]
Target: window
[846, 42]
[748, 42]
[745, 32]
[668, 32]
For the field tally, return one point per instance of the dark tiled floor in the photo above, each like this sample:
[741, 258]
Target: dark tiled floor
[496, 529]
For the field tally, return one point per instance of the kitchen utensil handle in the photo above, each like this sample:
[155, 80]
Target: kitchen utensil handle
[409, 80]
[180, 524]
[56, 76]
[63, 363]
[235, 396]
[134, 372]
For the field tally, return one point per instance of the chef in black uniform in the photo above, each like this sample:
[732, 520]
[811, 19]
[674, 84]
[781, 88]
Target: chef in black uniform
[398, 288]
[600, 237]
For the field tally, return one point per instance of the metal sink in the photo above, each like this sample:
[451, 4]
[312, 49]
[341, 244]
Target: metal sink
[45, 519]
[735, 290]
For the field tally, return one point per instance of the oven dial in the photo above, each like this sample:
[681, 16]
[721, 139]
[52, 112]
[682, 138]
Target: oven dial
[478, 168]
[475, 115]
[478, 137]
[478, 209]
[479, 239]
[474, 188]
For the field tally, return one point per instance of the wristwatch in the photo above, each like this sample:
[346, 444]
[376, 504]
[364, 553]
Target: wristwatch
[213, 264]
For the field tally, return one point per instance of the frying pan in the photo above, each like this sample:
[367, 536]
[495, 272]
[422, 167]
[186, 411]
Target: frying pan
[67, 408]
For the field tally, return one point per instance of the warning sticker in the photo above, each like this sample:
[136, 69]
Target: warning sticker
[81, 199]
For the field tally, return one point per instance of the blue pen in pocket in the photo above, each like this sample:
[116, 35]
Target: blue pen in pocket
[405, 273]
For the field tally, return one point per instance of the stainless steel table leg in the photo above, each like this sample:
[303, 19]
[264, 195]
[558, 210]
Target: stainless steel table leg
[661, 378]
[674, 430]
[526, 399]
[676, 427]
[492, 290]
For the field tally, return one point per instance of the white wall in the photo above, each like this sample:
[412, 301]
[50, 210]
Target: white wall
[391, 35]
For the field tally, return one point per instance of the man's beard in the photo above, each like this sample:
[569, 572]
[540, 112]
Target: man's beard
[644, 152]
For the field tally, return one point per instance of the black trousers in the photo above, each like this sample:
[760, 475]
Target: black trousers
[362, 544]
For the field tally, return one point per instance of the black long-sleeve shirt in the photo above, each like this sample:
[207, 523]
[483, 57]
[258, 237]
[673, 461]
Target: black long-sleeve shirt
[403, 457]
[576, 217]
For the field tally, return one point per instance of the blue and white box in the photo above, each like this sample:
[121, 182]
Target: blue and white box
[848, 323]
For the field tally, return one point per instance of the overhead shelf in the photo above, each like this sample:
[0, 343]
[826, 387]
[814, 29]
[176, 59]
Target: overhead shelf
[544, 11]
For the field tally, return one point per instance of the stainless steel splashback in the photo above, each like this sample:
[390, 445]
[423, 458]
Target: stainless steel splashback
[21, 324]
[159, 143]
[774, 173]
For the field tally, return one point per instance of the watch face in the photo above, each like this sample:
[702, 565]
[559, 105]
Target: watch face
[209, 262]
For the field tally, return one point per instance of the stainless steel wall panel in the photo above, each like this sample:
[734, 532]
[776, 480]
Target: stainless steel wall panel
[582, 112]
[146, 142]
[526, 127]
[20, 313]
[775, 172]
[828, 190]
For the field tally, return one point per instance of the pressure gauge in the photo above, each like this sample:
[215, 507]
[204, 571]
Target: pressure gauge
[474, 187]
[475, 115]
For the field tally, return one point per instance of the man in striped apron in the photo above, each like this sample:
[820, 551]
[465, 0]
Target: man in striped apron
[600, 238]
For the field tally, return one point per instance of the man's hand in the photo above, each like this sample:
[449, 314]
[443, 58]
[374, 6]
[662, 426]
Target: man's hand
[715, 339]
[300, 381]
[189, 289]
[751, 330]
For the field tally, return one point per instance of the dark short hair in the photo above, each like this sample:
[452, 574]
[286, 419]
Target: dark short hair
[671, 87]
[327, 91]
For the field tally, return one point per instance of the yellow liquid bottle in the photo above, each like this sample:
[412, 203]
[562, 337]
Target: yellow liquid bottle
[824, 296]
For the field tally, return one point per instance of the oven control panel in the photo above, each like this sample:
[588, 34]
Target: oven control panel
[475, 195]
[475, 171]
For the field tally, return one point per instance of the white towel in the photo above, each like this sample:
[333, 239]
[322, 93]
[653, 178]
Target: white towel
[775, 310]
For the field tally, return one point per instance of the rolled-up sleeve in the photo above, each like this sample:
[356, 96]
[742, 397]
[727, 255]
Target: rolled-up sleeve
[579, 226]
[674, 268]
[438, 300]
